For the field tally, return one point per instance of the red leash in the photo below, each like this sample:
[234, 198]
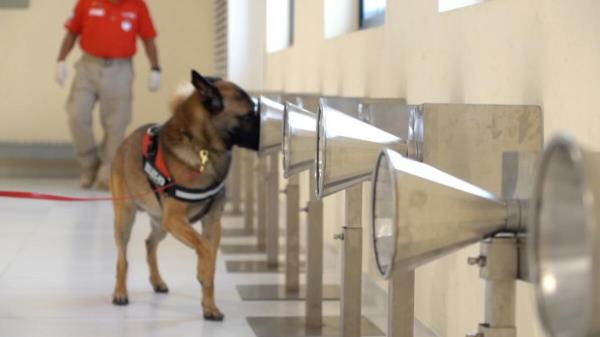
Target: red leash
[53, 197]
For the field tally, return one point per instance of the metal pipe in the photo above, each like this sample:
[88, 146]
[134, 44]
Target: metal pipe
[249, 191]
[401, 304]
[292, 236]
[272, 208]
[261, 226]
[499, 267]
[235, 191]
[351, 292]
[314, 260]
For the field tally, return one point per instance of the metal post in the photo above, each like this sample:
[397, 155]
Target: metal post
[401, 304]
[499, 267]
[261, 226]
[314, 259]
[350, 320]
[235, 190]
[272, 207]
[292, 237]
[249, 191]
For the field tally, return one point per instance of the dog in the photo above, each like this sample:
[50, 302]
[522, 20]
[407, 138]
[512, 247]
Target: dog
[194, 147]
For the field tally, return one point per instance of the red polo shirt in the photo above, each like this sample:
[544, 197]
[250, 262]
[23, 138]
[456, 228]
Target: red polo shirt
[108, 29]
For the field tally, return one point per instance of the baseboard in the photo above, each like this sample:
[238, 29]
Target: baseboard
[44, 160]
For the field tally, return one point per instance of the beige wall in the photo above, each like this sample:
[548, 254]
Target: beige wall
[500, 52]
[32, 104]
[246, 43]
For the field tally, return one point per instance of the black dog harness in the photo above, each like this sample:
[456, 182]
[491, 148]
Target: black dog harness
[160, 178]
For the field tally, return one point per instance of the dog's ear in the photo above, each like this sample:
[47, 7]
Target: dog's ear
[210, 95]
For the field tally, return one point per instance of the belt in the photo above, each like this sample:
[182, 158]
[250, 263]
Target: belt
[106, 62]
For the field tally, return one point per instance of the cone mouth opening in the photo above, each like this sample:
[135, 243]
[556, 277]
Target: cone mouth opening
[271, 119]
[299, 125]
[320, 160]
[384, 214]
[262, 114]
[562, 252]
[285, 146]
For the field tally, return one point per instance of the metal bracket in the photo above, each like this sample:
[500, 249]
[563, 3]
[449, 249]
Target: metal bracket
[499, 268]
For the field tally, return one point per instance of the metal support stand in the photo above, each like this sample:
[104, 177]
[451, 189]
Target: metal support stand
[272, 208]
[291, 290]
[314, 259]
[350, 305]
[248, 228]
[269, 209]
[314, 324]
[261, 225]
[249, 192]
[254, 266]
[292, 236]
[249, 212]
[499, 267]
[401, 304]
[235, 190]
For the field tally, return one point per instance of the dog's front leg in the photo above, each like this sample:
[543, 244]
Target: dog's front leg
[213, 232]
[175, 222]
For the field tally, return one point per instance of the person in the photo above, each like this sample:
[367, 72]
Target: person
[107, 32]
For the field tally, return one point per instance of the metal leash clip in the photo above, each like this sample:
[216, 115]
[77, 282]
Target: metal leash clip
[203, 159]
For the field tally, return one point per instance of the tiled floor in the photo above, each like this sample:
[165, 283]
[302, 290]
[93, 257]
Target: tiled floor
[57, 269]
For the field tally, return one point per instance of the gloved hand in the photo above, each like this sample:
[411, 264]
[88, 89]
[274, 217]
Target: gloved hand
[62, 72]
[154, 80]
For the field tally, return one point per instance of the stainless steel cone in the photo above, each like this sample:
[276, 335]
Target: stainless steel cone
[299, 139]
[346, 150]
[420, 213]
[564, 246]
[271, 126]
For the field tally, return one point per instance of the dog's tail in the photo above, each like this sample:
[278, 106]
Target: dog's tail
[182, 92]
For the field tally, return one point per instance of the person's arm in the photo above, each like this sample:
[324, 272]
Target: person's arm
[62, 71]
[152, 53]
[67, 45]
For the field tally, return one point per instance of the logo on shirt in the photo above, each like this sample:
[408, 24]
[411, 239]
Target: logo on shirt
[126, 25]
[96, 12]
[129, 15]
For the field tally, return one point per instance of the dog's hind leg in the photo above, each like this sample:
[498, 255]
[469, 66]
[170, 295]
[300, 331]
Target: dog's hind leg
[175, 222]
[124, 218]
[155, 237]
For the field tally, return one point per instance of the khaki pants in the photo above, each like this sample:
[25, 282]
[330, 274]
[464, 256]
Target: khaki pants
[108, 82]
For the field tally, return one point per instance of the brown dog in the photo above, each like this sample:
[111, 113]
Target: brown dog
[194, 149]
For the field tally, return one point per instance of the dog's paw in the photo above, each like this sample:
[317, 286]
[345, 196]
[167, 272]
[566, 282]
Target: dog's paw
[212, 313]
[120, 298]
[214, 317]
[160, 288]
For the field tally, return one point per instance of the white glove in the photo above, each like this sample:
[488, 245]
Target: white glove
[62, 72]
[154, 81]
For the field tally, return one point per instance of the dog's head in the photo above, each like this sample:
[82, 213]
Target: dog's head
[231, 110]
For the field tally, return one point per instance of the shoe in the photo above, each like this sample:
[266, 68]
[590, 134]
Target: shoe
[103, 178]
[88, 177]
